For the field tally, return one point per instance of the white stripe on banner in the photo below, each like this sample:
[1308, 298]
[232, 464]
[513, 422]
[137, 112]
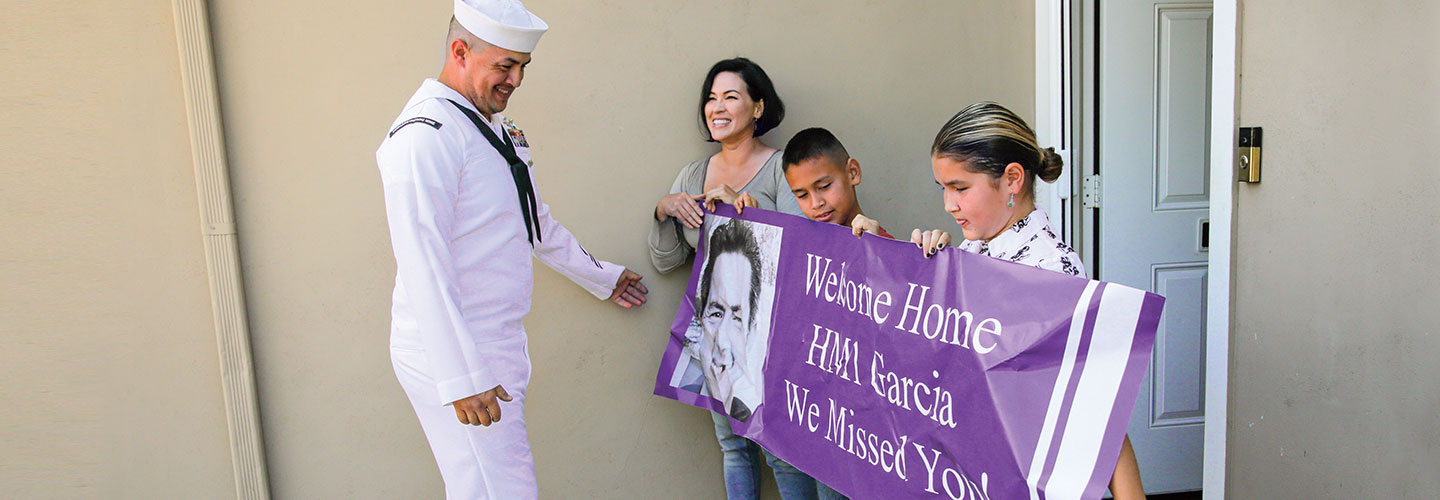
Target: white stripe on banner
[1057, 396]
[1095, 396]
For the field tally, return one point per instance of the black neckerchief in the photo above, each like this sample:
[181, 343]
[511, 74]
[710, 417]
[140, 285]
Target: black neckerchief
[518, 170]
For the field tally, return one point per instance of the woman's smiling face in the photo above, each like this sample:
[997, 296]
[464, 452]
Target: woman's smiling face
[730, 113]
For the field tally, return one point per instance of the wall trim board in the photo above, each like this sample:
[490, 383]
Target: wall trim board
[222, 258]
[1224, 106]
[1054, 112]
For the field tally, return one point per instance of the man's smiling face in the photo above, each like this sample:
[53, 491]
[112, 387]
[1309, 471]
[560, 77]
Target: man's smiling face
[725, 324]
[492, 75]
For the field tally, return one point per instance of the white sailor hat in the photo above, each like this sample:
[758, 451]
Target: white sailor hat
[502, 23]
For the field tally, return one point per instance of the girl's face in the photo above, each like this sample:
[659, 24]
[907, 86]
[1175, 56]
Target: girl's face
[729, 111]
[976, 200]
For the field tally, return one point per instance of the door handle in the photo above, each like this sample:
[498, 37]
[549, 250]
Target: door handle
[1203, 238]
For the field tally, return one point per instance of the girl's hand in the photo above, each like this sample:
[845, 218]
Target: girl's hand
[931, 241]
[724, 193]
[863, 224]
[682, 207]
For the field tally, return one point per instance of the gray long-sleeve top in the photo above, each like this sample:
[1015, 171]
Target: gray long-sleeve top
[671, 243]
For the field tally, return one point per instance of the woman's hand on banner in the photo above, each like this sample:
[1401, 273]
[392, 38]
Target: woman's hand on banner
[863, 224]
[745, 200]
[931, 241]
[682, 207]
[724, 193]
[629, 291]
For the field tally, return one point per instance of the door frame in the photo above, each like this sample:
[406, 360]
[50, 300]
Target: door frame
[1064, 121]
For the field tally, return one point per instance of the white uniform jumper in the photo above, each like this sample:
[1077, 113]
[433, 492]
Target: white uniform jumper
[463, 285]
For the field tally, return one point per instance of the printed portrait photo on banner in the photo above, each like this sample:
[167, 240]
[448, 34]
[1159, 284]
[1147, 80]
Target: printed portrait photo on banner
[727, 341]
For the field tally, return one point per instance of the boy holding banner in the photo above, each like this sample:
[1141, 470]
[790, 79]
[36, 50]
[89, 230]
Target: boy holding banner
[823, 177]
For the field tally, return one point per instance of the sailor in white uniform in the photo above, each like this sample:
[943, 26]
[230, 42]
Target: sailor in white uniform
[466, 224]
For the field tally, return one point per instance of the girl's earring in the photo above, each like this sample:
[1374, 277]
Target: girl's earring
[1011, 204]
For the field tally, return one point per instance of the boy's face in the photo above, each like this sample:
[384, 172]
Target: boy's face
[826, 189]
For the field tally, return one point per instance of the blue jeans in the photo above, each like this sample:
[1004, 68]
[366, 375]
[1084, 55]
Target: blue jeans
[741, 458]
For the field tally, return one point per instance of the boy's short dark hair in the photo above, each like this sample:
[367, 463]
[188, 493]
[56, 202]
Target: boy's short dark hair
[812, 143]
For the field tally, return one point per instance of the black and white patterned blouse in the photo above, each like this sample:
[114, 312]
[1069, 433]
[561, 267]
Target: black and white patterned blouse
[1032, 242]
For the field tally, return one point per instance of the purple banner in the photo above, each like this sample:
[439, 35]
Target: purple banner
[888, 375]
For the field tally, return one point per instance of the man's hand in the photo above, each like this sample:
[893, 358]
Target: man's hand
[931, 241]
[682, 207]
[481, 409]
[863, 224]
[629, 291]
[726, 194]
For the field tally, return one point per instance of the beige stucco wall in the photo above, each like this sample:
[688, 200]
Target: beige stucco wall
[1337, 333]
[111, 380]
[109, 354]
[608, 106]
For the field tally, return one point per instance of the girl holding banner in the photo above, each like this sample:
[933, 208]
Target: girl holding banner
[986, 160]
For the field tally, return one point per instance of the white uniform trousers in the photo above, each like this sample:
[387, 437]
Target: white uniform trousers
[476, 462]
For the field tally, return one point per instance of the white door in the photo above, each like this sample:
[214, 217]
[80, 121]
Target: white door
[1153, 144]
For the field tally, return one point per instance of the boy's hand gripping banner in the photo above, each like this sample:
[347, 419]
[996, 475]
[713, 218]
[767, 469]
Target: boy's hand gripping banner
[884, 374]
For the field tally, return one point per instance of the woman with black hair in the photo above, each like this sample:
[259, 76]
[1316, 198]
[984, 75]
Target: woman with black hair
[738, 104]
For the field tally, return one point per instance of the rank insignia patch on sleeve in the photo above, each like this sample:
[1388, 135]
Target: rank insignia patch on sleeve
[418, 119]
